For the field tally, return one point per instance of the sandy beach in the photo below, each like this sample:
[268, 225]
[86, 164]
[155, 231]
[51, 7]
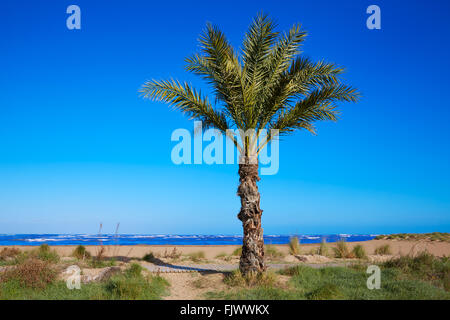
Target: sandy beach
[216, 261]
[398, 247]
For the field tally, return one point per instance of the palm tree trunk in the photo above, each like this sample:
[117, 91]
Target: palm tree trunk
[252, 258]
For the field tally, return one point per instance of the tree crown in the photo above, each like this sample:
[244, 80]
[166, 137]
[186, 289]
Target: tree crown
[268, 85]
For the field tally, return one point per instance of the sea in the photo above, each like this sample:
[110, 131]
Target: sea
[165, 239]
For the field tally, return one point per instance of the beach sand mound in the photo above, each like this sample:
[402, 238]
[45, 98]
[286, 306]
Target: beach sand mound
[313, 258]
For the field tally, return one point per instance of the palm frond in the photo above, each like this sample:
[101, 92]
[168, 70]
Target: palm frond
[319, 105]
[187, 100]
[218, 64]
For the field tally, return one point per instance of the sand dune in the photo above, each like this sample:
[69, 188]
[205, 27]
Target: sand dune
[401, 247]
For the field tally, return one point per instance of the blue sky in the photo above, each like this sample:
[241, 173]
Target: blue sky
[78, 146]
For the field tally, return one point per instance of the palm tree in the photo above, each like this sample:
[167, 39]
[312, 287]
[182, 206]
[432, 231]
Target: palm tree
[268, 86]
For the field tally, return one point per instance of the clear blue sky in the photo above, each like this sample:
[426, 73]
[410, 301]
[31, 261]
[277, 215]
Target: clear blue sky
[78, 146]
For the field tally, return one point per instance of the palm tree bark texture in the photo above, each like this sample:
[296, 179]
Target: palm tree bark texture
[252, 258]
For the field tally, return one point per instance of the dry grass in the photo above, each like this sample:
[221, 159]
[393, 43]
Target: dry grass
[237, 279]
[434, 236]
[200, 283]
[383, 250]
[323, 248]
[173, 254]
[8, 253]
[32, 273]
[342, 251]
[196, 256]
[272, 252]
[237, 252]
[359, 252]
[294, 246]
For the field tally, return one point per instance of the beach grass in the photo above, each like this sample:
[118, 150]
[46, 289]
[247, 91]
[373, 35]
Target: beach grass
[196, 256]
[237, 252]
[342, 251]
[42, 285]
[383, 250]
[334, 283]
[81, 253]
[294, 246]
[359, 252]
[323, 248]
[271, 252]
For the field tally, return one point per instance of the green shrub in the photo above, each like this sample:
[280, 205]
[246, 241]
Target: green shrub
[424, 266]
[294, 246]
[383, 250]
[359, 252]
[94, 262]
[44, 253]
[136, 287]
[134, 270]
[81, 253]
[149, 257]
[132, 285]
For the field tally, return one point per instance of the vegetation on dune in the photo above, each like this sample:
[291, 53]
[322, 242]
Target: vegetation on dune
[132, 285]
[383, 250]
[434, 236]
[196, 256]
[81, 253]
[423, 266]
[400, 280]
[173, 254]
[149, 257]
[294, 246]
[267, 85]
[252, 279]
[224, 256]
[36, 279]
[359, 252]
[8, 253]
[95, 262]
[43, 253]
[271, 252]
[32, 273]
[237, 251]
[323, 248]
[341, 250]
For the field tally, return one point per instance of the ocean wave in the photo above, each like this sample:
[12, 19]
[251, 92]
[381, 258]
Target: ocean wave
[163, 239]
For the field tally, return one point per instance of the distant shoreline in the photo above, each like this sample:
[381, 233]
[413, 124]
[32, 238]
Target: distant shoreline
[167, 240]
